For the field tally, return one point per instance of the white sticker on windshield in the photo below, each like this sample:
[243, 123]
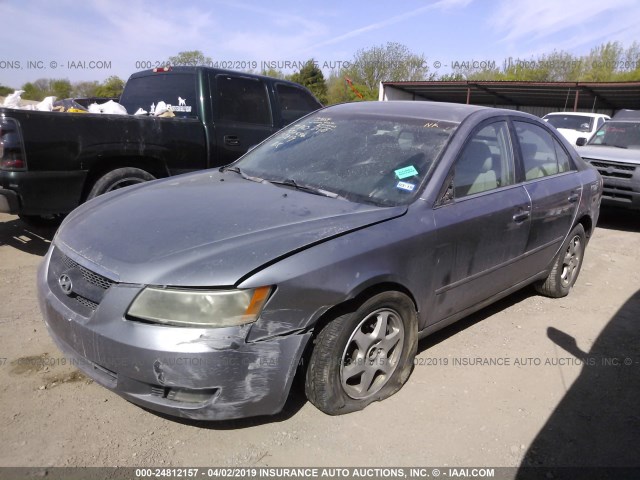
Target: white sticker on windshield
[406, 186]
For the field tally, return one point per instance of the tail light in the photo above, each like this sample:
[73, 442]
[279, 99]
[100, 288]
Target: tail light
[11, 147]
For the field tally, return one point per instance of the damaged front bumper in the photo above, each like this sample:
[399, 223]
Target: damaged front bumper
[203, 374]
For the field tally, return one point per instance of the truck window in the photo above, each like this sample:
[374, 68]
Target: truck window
[241, 99]
[294, 102]
[618, 134]
[175, 89]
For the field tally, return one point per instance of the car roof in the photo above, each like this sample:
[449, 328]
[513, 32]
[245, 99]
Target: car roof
[443, 111]
[627, 115]
[578, 114]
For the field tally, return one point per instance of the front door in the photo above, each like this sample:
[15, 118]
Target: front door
[483, 226]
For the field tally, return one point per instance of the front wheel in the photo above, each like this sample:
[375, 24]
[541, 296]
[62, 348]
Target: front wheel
[119, 178]
[566, 266]
[364, 356]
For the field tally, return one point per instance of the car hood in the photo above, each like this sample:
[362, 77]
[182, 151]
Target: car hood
[204, 229]
[614, 154]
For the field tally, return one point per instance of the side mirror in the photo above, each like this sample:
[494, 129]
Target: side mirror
[581, 142]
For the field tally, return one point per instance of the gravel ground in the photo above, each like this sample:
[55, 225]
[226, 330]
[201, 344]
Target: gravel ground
[565, 393]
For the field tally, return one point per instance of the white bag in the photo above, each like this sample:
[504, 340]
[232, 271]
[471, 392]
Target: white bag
[161, 107]
[46, 105]
[13, 99]
[109, 108]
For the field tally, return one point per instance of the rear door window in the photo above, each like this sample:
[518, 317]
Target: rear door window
[542, 155]
[242, 99]
[486, 162]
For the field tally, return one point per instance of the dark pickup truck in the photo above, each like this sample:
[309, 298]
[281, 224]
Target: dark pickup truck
[50, 162]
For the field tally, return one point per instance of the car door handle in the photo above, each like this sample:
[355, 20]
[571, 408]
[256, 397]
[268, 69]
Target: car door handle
[573, 198]
[521, 217]
[231, 140]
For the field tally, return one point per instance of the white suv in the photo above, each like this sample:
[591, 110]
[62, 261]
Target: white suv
[573, 125]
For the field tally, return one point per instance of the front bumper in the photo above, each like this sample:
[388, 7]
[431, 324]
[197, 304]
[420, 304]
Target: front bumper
[203, 374]
[621, 183]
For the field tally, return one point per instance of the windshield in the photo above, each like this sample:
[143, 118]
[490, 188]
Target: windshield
[618, 134]
[364, 158]
[571, 122]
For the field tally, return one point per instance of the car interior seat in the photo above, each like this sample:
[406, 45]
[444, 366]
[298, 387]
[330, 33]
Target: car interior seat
[474, 171]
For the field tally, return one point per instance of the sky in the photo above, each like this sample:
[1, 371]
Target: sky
[94, 39]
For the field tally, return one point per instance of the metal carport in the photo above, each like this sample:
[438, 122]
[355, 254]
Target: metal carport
[535, 97]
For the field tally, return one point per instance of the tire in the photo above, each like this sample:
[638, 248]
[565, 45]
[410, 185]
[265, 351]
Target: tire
[119, 178]
[566, 266]
[45, 221]
[354, 362]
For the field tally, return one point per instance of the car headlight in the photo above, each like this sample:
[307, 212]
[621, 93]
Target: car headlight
[199, 308]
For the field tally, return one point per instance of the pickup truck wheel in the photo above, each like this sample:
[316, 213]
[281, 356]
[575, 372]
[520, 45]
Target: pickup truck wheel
[42, 220]
[363, 356]
[119, 178]
[566, 266]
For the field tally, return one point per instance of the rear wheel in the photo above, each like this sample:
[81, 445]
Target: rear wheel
[566, 266]
[363, 356]
[119, 178]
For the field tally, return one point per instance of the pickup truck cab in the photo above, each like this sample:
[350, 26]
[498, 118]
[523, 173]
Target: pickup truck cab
[50, 162]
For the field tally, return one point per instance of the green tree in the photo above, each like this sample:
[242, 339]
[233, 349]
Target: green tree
[190, 58]
[341, 88]
[602, 62]
[85, 89]
[36, 90]
[391, 62]
[60, 88]
[4, 91]
[272, 72]
[112, 87]
[311, 77]
[337, 89]
[605, 63]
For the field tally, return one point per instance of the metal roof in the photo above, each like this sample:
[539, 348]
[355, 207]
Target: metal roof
[561, 95]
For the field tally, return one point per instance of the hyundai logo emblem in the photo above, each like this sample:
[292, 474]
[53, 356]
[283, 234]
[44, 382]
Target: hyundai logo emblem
[65, 284]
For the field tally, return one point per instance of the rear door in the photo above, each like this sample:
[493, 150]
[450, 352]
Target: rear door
[482, 224]
[551, 180]
[242, 114]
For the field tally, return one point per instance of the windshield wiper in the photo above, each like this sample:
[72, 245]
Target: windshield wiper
[242, 174]
[289, 182]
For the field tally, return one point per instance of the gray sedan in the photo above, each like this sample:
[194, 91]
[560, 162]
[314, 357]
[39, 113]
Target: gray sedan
[327, 251]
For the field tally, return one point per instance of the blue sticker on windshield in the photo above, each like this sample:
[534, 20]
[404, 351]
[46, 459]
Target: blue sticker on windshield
[406, 186]
[405, 172]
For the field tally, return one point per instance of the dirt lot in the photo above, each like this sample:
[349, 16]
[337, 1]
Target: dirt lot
[552, 401]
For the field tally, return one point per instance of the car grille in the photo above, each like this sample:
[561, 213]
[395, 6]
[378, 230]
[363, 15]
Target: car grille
[616, 170]
[85, 287]
[88, 275]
